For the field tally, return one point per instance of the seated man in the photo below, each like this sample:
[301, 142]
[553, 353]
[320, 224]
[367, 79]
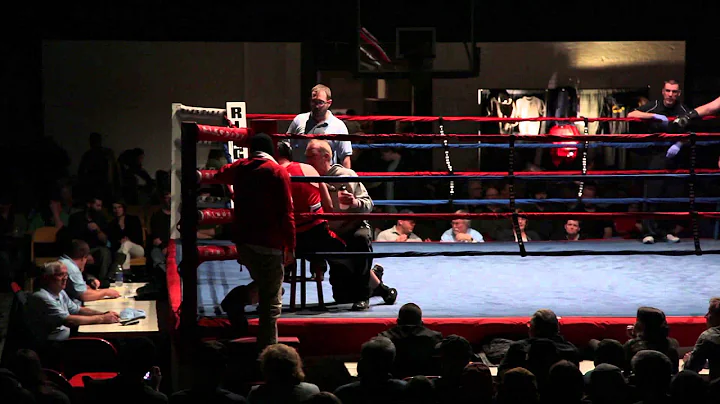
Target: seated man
[414, 343]
[51, 312]
[75, 259]
[402, 231]
[571, 231]
[707, 347]
[376, 384]
[352, 279]
[312, 235]
[90, 225]
[461, 232]
[543, 327]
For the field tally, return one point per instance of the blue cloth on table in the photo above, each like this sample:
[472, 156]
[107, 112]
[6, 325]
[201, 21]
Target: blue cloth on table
[131, 314]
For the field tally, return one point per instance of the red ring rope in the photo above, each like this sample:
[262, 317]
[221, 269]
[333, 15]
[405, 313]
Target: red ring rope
[222, 216]
[240, 135]
[375, 118]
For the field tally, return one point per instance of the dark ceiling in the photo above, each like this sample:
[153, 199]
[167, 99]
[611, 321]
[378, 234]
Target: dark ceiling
[292, 21]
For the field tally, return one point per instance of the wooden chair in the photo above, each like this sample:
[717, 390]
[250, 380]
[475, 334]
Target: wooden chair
[42, 235]
[302, 278]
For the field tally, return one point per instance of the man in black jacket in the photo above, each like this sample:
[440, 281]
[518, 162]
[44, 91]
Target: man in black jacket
[414, 343]
[544, 348]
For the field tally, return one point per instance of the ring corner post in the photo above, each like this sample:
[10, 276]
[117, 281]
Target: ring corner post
[188, 230]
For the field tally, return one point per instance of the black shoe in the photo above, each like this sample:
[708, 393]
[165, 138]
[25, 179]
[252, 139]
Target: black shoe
[379, 271]
[391, 296]
[361, 305]
[237, 299]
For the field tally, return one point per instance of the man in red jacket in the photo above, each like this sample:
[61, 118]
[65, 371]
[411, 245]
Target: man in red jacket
[263, 228]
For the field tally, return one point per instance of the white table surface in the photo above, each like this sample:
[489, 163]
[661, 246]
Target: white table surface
[127, 300]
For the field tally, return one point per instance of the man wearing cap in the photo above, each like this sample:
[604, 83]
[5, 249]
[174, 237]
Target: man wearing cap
[402, 231]
[543, 329]
[263, 228]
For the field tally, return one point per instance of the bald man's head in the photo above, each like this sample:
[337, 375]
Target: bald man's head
[319, 155]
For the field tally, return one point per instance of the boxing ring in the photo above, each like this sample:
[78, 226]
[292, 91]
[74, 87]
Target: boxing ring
[472, 289]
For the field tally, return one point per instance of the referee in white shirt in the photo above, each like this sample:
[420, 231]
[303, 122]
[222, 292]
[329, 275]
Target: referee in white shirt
[319, 121]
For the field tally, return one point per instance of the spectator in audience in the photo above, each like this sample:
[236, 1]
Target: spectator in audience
[75, 259]
[27, 368]
[545, 228]
[56, 213]
[420, 390]
[323, 397]
[51, 313]
[91, 226]
[688, 387]
[136, 358]
[707, 347]
[455, 354]
[629, 227]
[210, 366]
[476, 384]
[461, 232]
[284, 378]
[608, 351]
[98, 172]
[512, 235]
[571, 231]
[651, 332]
[12, 231]
[608, 385]
[517, 386]
[565, 384]
[414, 343]
[160, 234]
[376, 384]
[402, 231]
[131, 170]
[544, 330]
[12, 390]
[593, 229]
[713, 394]
[651, 375]
[125, 234]
[492, 229]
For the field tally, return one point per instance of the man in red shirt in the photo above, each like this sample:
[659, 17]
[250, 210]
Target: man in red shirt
[310, 197]
[263, 229]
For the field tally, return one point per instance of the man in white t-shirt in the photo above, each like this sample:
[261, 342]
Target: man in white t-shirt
[319, 121]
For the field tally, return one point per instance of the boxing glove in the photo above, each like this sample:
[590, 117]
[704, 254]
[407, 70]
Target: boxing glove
[683, 121]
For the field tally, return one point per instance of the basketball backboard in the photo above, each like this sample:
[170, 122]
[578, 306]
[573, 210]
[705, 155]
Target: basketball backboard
[394, 42]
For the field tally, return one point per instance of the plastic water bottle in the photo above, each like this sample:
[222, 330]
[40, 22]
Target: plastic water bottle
[119, 277]
[343, 206]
